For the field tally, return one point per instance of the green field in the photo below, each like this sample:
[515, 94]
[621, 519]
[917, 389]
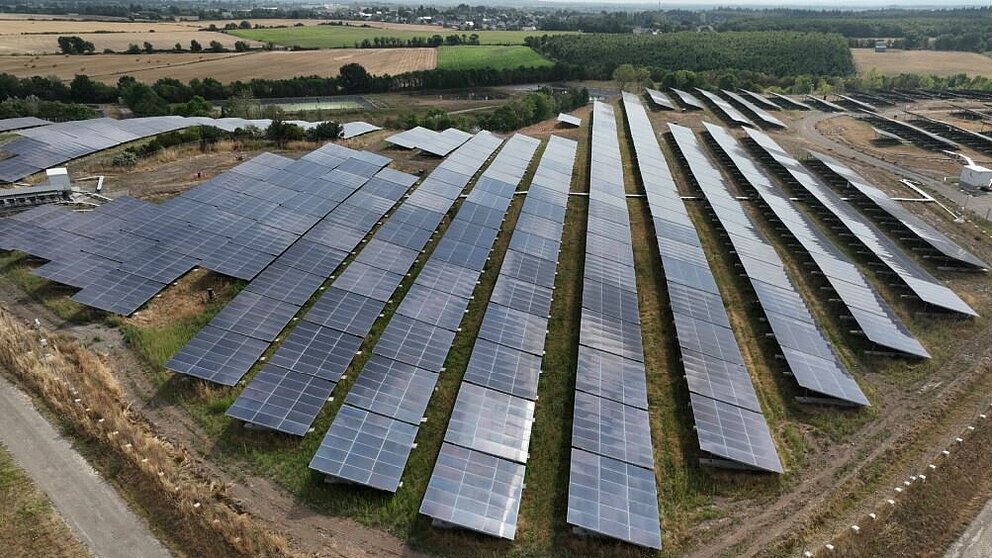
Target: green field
[334, 36]
[498, 57]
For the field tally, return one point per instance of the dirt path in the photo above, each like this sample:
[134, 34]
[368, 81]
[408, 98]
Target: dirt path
[91, 507]
[976, 542]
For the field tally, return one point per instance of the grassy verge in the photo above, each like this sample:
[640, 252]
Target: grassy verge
[496, 57]
[28, 522]
[17, 267]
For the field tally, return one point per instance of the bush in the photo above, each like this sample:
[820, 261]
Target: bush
[126, 159]
[325, 131]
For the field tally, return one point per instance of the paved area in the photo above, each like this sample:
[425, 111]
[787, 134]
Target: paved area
[93, 509]
[976, 542]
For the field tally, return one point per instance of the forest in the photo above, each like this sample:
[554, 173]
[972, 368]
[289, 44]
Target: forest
[774, 53]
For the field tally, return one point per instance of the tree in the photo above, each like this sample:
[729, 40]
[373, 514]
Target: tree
[282, 132]
[143, 101]
[178, 47]
[75, 45]
[195, 46]
[354, 78]
[216, 46]
[627, 74]
[148, 47]
[133, 49]
[241, 46]
[244, 25]
[197, 106]
[325, 131]
[242, 105]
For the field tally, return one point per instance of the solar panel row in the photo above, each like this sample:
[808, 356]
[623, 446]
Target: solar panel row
[610, 428]
[917, 280]
[714, 367]
[688, 100]
[807, 351]
[725, 110]
[494, 408]
[46, 146]
[435, 143]
[760, 115]
[876, 198]
[271, 300]
[877, 321]
[660, 99]
[396, 383]
[759, 100]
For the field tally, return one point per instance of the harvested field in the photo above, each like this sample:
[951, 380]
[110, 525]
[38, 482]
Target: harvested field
[227, 67]
[272, 22]
[41, 43]
[895, 62]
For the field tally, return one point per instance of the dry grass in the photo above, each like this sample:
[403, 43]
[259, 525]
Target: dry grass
[895, 62]
[183, 502]
[228, 67]
[27, 519]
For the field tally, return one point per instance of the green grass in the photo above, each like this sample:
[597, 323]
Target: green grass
[17, 267]
[333, 36]
[498, 57]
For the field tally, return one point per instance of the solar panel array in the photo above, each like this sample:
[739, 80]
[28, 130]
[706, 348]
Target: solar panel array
[922, 284]
[660, 99]
[47, 146]
[856, 104]
[354, 129]
[411, 349]
[688, 100]
[875, 319]
[824, 104]
[125, 252]
[725, 110]
[435, 143]
[919, 136]
[762, 116]
[494, 409]
[569, 119]
[326, 341]
[10, 124]
[714, 367]
[271, 301]
[611, 436]
[909, 222]
[806, 349]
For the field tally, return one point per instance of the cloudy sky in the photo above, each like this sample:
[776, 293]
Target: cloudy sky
[806, 3]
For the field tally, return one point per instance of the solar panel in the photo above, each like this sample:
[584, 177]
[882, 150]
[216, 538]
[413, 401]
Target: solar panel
[728, 431]
[404, 234]
[316, 350]
[387, 256]
[286, 284]
[216, 355]
[611, 335]
[475, 491]
[609, 428]
[610, 300]
[611, 376]
[118, 292]
[491, 422]
[365, 448]
[503, 369]
[163, 266]
[454, 279]
[345, 311]
[461, 253]
[513, 328]
[719, 379]
[312, 257]
[521, 295]
[529, 268]
[434, 307]
[415, 342]
[281, 400]
[613, 498]
[237, 261]
[255, 315]
[393, 389]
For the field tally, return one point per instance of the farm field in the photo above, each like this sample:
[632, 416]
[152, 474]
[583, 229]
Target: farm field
[498, 57]
[327, 36]
[895, 62]
[227, 67]
[40, 43]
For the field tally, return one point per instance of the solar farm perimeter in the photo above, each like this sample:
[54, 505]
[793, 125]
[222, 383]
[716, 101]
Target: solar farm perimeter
[625, 356]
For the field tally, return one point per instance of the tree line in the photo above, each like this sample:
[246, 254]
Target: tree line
[773, 53]
[77, 45]
[419, 42]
